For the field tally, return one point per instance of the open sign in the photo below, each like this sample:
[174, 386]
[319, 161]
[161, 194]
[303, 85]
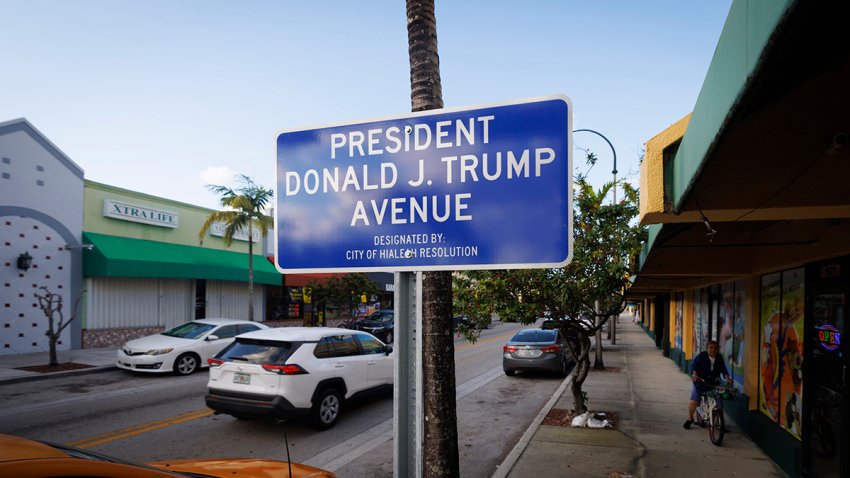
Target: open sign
[829, 337]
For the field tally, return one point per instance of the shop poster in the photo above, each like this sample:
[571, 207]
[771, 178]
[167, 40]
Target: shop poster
[791, 350]
[770, 320]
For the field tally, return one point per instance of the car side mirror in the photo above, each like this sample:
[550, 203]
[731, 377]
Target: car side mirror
[388, 349]
[210, 338]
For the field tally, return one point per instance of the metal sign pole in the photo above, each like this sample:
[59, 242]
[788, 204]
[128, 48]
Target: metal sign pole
[407, 374]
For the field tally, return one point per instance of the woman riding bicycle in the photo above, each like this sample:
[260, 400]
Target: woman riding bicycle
[706, 370]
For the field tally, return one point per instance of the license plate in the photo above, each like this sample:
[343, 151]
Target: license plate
[243, 378]
[527, 353]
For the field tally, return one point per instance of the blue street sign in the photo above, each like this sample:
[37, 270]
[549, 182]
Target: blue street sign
[484, 187]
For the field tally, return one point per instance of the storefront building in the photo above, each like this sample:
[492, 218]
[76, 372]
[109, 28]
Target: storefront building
[749, 215]
[148, 272]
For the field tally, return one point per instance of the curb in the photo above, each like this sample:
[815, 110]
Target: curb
[505, 467]
[45, 376]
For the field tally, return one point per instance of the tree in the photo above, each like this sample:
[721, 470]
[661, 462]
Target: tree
[343, 291]
[607, 241]
[245, 211]
[440, 450]
[51, 305]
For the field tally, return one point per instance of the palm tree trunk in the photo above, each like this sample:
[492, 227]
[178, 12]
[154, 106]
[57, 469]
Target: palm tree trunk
[250, 272]
[440, 451]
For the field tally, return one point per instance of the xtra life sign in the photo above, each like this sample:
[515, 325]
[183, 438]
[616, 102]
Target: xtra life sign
[481, 187]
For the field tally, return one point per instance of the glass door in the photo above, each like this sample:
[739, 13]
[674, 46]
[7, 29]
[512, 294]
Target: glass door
[825, 409]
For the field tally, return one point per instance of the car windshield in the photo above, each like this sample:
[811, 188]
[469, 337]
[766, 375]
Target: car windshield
[260, 352]
[534, 336]
[189, 330]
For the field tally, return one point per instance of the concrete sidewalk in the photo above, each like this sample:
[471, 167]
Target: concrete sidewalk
[650, 395]
[98, 360]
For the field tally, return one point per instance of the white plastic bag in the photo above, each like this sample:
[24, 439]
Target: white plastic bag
[581, 420]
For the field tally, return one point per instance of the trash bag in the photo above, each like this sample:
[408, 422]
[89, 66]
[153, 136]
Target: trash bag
[597, 423]
[581, 420]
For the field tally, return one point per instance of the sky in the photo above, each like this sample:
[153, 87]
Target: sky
[165, 97]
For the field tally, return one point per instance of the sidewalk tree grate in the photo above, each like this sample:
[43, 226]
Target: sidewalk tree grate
[62, 367]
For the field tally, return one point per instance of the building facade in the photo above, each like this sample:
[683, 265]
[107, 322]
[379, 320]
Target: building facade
[41, 202]
[127, 264]
[749, 218]
[148, 270]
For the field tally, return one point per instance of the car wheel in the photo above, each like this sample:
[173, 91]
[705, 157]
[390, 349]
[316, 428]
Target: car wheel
[510, 373]
[563, 372]
[390, 337]
[186, 364]
[326, 409]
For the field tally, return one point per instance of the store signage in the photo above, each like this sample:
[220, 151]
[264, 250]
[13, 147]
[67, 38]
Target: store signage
[829, 337]
[143, 214]
[485, 187]
[217, 229]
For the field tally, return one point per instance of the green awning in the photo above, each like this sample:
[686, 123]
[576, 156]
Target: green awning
[124, 257]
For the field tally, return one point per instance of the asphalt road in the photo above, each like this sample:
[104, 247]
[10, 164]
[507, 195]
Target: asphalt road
[146, 418]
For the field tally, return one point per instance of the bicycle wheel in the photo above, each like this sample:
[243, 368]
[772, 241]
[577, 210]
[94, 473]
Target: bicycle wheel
[717, 427]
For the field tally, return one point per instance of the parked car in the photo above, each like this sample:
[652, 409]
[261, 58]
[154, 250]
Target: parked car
[297, 372]
[24, 458]
[184, 348]
[537, 349]
[551, 323]
[381, 324]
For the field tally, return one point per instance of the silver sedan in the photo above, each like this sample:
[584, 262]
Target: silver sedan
[537, 349]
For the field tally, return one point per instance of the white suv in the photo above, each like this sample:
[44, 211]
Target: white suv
[297, 371]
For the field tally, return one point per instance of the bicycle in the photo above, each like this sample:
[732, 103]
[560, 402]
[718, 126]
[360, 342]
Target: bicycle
[710, 414]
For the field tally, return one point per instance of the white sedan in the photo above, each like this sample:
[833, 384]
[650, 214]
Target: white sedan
[184, 348]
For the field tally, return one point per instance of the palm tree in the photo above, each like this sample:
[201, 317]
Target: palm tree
[244, 212]
[439, 447]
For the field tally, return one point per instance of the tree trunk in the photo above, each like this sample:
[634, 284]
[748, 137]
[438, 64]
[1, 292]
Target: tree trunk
[597, 362]
[440, 451]
[51, 334]
[54, 360]
[582, 368]
[250, 272]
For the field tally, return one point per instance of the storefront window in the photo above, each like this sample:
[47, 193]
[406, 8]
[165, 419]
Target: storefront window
[678, 310]
[736, 358]
[702, 320]
[781, 354]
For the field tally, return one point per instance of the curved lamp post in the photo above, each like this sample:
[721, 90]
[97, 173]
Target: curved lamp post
[614, 172]
[612, 328]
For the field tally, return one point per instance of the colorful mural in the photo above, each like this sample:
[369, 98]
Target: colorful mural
[781, 355]
[791, 350]
[771, 293]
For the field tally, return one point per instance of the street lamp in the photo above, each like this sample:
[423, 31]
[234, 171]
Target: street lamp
[614, 172]
[612, 327]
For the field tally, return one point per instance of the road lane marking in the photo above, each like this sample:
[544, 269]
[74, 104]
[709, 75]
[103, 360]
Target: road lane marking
[139, 429]
[335, 457]
[349, 450]
[100, 396]
[495, 338]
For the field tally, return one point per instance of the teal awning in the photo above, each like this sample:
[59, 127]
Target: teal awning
[114, 256]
